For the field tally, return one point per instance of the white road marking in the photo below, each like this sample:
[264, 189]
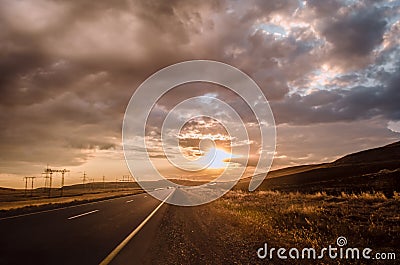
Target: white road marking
[83, 214]
[121, 245]
[63, 208]
[129, 201]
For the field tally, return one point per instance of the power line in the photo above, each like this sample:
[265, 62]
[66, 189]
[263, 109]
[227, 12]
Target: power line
[49, 176]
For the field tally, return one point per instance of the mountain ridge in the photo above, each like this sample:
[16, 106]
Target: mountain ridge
[375, 169]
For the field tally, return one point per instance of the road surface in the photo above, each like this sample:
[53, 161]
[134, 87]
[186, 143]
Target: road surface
[83, 234]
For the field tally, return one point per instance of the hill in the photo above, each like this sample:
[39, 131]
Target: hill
[376, 169]
[387, 153]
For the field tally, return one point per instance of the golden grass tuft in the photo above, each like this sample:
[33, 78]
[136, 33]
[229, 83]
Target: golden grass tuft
[301, 220]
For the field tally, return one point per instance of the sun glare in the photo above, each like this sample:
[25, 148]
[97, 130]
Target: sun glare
[220, 159]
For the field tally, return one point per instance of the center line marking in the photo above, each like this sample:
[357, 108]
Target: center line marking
[83, 214]
[129, 201]
[121, 245]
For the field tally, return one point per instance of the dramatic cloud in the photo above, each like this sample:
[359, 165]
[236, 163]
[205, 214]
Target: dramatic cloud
[68, 70]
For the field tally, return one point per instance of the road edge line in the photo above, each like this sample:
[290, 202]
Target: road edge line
[121, 245]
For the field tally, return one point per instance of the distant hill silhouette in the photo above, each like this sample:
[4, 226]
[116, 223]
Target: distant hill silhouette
[387, 153]
[376, 169]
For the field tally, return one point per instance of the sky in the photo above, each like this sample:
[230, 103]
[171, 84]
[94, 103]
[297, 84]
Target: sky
[329, 69]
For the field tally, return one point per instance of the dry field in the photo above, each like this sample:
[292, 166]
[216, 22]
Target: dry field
[231, 229]
[316, 220]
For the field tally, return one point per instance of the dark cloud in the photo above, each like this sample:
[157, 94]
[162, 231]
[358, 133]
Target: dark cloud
[68, 69]
[327, 8]
[350, 104]
[356, 34]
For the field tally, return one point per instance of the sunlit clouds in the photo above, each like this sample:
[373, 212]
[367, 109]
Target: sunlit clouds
[329, 69]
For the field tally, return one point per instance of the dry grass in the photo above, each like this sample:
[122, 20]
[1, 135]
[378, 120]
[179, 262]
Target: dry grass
[316, 220]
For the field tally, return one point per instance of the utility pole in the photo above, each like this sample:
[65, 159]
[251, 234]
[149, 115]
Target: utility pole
[48, 171]
[62, 180]
[51, 181]
[26, 185]
[84, 180]
[125, 180]
[48, 179]
[32, 179]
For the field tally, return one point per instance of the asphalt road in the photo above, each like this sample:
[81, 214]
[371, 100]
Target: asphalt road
[82, 234]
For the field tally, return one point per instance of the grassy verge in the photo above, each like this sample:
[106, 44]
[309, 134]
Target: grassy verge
[317, 220]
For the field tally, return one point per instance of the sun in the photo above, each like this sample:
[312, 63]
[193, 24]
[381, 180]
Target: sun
[220, 159]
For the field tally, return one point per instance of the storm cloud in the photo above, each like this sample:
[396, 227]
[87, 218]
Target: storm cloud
[68, 70]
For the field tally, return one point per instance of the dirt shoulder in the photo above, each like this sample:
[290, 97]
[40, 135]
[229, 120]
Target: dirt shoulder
[205, 234]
